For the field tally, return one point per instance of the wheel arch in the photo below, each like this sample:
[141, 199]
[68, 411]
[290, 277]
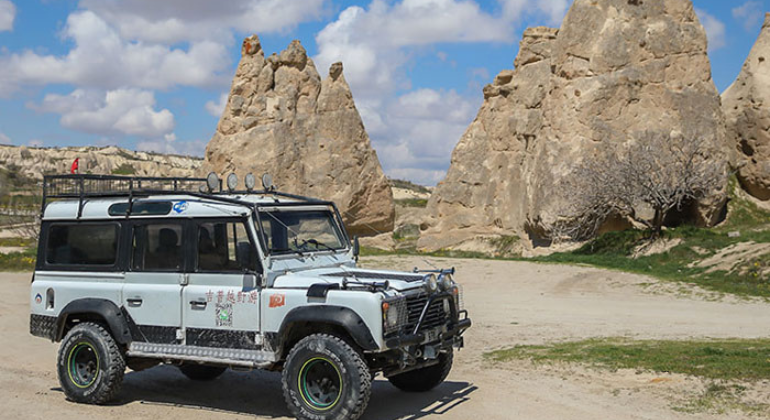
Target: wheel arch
[92, 309]
[302, 321]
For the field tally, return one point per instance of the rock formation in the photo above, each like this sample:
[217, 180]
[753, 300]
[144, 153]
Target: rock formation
[615, 69]
[35, 162]
[747, 108]
[282, 119]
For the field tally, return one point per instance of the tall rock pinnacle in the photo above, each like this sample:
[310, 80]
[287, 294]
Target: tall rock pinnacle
[282, 119]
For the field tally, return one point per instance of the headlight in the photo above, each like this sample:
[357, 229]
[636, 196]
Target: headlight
[393, 314]
[431, 283]
[445, 281]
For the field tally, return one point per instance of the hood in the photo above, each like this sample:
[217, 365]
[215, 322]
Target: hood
[397, 280]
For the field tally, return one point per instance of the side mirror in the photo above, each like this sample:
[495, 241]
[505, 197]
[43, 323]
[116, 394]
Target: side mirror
[356, 248]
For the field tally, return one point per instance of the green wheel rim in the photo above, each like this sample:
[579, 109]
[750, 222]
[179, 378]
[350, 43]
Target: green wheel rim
[320, 383]
[83, 365]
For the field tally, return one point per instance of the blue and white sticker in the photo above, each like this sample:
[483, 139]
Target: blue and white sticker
[181, 206]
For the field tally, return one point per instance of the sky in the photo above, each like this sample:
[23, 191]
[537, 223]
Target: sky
[154, 74]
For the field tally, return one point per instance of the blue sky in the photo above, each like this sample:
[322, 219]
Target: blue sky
[151, 75]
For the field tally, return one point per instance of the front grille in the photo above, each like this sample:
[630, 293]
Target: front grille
[415, 303]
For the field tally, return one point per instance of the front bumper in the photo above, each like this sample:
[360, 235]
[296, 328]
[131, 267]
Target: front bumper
[447, 335]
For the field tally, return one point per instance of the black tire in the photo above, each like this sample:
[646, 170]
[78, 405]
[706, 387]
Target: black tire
[325, 378]
[90, 364]
[425, 379]
[201, 372]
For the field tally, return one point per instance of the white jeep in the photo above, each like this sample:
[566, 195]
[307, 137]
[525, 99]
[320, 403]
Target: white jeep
[135, 272]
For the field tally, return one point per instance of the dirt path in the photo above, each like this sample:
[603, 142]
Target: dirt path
[510, 303]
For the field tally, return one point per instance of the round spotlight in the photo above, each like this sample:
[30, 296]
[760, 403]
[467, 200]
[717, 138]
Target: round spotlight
[431, 284]
[445, 281]
[212, 181]
[250, 181]
[232, 182]
[267, 182]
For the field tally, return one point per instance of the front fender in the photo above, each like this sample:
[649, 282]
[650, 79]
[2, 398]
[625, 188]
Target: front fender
[334, 315]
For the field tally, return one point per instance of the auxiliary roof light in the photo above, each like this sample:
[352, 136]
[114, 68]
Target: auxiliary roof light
[212, 181]
[250, 181]
[232, 182]
[267, 182]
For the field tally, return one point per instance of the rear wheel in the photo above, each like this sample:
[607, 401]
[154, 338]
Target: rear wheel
[425, 379]
[90, 364]
[325, 378]
[201, 372]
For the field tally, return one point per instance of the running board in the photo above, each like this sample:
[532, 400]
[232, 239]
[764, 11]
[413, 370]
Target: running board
[232, 357]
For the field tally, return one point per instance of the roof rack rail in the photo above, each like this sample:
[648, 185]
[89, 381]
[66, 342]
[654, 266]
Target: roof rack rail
[82, 186]
[87, 186]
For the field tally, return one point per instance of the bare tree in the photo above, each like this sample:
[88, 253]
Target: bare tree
[662, 171]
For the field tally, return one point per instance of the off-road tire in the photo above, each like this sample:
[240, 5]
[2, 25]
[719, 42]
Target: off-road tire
[201, 372]
[425, 379]
[110, 364]
[354, 377]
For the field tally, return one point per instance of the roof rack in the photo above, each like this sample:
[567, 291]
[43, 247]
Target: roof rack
[82, 186]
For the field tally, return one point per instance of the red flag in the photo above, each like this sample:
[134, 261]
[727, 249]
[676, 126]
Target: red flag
[74, 167]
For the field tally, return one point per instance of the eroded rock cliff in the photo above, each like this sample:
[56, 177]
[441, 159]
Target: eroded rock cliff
[616, 68]
[747, 107]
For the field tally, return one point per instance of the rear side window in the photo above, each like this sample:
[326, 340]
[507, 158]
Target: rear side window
[92, 244]
[157, 247]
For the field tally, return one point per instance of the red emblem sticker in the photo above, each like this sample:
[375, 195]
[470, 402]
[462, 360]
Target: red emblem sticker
[276, 300]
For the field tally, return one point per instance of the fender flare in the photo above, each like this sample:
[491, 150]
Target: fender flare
[334, 315]
[116, 320]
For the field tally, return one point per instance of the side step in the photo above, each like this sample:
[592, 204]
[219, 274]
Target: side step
[232, 357]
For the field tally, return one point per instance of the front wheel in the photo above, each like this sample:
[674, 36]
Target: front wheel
[91, 364]
[325, 378]
[425, 379]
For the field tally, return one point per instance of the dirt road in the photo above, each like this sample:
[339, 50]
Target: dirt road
[510, 303]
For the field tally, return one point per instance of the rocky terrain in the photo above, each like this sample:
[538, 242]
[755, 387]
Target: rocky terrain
[746, 105]
[281, 118]
[615, 68]
[33, 163]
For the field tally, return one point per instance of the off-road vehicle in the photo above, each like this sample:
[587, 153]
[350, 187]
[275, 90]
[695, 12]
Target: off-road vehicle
[135, 272]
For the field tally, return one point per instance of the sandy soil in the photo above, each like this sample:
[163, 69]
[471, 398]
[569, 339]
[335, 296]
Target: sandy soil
[510, 303]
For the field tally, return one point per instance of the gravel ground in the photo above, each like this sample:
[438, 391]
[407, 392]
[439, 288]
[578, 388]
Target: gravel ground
[510, 303]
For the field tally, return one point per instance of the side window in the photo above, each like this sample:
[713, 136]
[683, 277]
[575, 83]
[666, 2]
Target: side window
[88, 244]
[157, 247]
[225, 247]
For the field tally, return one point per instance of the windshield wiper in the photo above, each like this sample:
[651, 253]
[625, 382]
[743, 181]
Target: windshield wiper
[318, 243]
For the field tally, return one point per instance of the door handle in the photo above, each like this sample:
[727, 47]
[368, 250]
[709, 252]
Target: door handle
[134, 303]
[197, 304]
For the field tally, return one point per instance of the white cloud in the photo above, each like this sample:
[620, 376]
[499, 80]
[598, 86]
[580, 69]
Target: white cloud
[102, 59]
[35, 143]
[172, 21]
[715, 30]
[217, 108]
[7, 15]
[188, 148]
[555, 10]
[371, 41]
[422, 128]
[750, 13]
[5, 139]
[123, 111]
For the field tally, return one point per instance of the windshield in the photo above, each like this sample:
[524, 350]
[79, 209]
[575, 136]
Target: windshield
[299, 231]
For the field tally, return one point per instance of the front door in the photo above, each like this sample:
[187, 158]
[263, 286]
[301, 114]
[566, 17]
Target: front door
[152, 293]
[220, 304]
